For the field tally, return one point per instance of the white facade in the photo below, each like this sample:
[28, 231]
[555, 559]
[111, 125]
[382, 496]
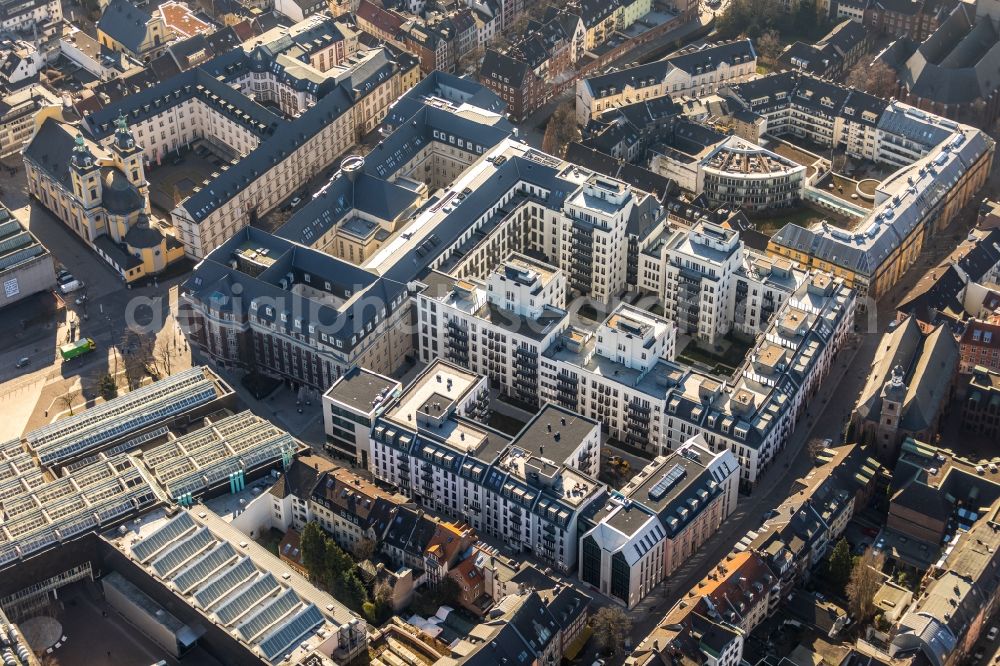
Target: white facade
[693, 274]
[660, 519]
[611, 374]
[427, 446]
[497, 328]
[693, 72]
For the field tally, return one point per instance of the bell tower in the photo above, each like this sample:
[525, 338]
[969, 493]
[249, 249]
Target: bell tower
[128, 156]
[85, 174]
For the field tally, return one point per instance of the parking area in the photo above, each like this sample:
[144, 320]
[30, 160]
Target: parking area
[175, 178]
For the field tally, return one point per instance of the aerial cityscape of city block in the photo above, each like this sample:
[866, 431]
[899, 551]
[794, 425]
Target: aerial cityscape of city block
[499, 333]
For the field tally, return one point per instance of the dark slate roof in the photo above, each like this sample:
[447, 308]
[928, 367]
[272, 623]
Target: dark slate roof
[342, 195]
[125, 23]
[118, 195]
[118, 254]
[143, 235]
[636, 77]
[923, 499]
[642, 178]
[766, 92]
[200, 82]
[594, 11]
[214, 282]
[300, 478]
[288, 136]
[935, 297]
[983, 256]
[164, 66]
[535, 624]
[503, 68]
[846, 36]
[859, 104]
[707, 57]
[958, 63]
[50, 150]
[811, 58]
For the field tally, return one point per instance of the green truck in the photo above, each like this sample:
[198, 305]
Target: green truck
[71, 350]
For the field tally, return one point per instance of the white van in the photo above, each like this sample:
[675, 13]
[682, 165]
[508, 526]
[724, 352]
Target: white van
[70, 287]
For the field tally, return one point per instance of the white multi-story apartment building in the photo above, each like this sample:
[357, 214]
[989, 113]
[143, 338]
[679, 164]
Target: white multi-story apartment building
[943, 163]
[613, 374]
[762, 285]
[754, 413]
[22, 17]
[527, 491]
[639, 536]
[693, 274]
[497, 328]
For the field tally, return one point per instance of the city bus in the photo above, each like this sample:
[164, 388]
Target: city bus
[71, 350]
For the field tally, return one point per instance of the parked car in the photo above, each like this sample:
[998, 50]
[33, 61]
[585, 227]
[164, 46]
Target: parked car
[993, 633]
[65, 277]
[23, 361]
[295, 202]
[71, 286]
[81, 300]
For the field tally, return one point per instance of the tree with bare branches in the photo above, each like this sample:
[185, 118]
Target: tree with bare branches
[561, 130]
[769, 45]
[67, 399]
[876, 78]
[611, 625]
[866, 579]
[363, 549]
[469, 61]
[166, 351]
[137, 353]
[815, 447]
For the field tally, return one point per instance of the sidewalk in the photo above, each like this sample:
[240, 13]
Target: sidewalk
[772, 488]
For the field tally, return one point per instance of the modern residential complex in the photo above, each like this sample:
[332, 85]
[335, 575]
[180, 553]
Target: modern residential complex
[639, 536]
[940, 165]
[484, 389]
[528, 491]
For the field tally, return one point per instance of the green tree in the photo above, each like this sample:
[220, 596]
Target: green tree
[338, 562]
[312, 543]
[611, 625]
[839, 564]
[448, 591]
[349, 589]
[107, 386]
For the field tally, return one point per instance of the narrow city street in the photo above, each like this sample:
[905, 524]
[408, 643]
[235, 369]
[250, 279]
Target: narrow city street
[825, 417]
